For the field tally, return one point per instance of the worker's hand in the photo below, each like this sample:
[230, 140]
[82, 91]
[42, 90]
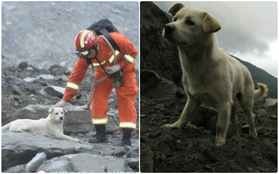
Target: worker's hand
[61, 103]
[113, 69]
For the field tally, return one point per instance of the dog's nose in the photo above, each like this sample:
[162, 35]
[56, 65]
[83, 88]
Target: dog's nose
[169, 29]
[61, 118]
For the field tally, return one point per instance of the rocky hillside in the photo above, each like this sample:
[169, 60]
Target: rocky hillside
[42, 33]
[192, 149]
[37, 58]
[156, 53]
[28, 92]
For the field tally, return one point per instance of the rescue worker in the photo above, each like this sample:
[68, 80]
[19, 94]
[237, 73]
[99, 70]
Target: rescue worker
[89, 45]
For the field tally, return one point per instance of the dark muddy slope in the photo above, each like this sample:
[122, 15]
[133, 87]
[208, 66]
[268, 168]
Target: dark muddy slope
[192, 148]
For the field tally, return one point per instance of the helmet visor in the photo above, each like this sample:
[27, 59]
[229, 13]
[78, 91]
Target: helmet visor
[85, 52]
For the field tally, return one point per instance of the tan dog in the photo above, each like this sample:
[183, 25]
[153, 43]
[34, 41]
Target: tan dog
[51, 126]
[210, 75]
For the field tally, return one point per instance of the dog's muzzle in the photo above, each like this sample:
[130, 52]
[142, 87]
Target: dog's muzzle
[168, 30]
[61, 118]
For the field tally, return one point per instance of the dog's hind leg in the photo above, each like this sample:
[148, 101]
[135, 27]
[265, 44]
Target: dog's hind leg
[6, 127]
[22, 129]
[247, 102]
[188, 112]
[224, 113]
[247, 107]
[234, 120]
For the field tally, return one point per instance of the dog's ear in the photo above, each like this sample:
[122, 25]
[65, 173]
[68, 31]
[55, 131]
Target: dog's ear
[65, 111]
[50, 110]
[210, 24]
[175, 8]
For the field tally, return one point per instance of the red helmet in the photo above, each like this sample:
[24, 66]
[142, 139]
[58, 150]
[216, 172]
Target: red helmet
[85, 39]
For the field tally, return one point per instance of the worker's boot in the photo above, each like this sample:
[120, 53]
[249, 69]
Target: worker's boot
[100, 134]
[127, 134]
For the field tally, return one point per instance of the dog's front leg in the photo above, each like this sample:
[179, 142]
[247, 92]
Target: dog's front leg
[65, 137]
[188, 112]
[224, 112]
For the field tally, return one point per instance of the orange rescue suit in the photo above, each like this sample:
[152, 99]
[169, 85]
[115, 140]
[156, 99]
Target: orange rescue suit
[126, 94]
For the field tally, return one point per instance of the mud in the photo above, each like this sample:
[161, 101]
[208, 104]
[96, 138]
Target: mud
[192, 148]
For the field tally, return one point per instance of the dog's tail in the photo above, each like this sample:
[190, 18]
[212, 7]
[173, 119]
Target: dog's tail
[6, 127]
[261, 93]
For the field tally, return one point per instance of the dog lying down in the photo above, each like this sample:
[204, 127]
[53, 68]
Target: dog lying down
[210, 75]
[52, 126]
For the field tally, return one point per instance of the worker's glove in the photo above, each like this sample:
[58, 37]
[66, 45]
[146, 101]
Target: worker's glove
[61, 103]
[113, 69]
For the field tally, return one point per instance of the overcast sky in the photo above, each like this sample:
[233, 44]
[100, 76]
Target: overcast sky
[249, 29]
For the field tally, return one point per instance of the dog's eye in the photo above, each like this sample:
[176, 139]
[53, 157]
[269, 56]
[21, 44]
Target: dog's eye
[62, 113]
[189, 22]
[174, 19]
[56, 113]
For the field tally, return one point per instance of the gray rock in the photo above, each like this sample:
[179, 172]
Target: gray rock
[16, 169]
[270, 102]
[273, 116]
[22, 65]
[133, 163]
[32, 165]
[42, 76]
[15, 90]
[20, 148]
[77, 122]
[154, 86]
[58, 164]
[53, 91]
[84, 163]
[261, 112]
[29, 79]
[45, 77]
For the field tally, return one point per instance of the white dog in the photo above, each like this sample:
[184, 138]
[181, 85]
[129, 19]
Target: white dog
[210, 75]
[51, 126]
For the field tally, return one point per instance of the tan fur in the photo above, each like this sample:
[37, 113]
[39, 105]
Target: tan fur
[51, 126]
[210, 75]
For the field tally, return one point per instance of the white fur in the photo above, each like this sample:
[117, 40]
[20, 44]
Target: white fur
[210, 75]
[51, 126]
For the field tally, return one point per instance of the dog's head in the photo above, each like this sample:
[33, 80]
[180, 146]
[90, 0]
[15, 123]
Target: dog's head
[190, 26]
[57, 114]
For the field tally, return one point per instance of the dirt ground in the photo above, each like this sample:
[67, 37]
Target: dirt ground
[192, 148]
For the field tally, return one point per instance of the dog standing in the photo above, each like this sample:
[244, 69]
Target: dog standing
[210, 75]
[51, 126]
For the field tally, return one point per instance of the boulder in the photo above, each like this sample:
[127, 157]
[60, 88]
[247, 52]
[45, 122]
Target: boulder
[270, 102]
[53, 91]
[133, 163]
[261, 112]
[154, 86]
[16, 169]
[84, 163]
[20, 148]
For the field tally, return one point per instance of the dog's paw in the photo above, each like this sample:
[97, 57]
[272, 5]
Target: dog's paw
[77, 140]
[166, 126]
[219, 142]
[170, 126]
[254, 135]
